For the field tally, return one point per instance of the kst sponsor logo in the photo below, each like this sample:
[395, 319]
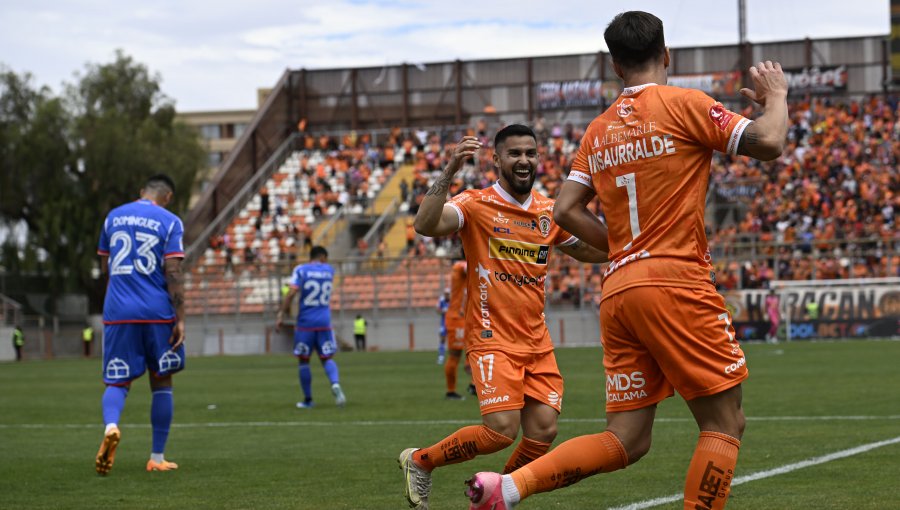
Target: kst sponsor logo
[500, 218]
[625, 387]
[484, 281]
[507, 249]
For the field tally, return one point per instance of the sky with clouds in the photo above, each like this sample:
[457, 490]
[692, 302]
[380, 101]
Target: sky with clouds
[214, 55]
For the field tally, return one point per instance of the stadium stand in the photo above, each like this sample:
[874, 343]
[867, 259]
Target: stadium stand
[826, 209]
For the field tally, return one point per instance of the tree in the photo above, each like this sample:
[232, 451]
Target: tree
[68, 160]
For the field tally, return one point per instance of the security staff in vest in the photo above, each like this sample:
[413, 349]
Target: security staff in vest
[87, 337]
[359, 332]
[18, 340]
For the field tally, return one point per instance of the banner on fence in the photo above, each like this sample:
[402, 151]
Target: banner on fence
[851, 311]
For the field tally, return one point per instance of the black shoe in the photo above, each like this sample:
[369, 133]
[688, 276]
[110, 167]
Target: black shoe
[472, 390]
[452, 395]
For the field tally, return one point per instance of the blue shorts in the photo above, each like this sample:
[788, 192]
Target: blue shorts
[322, 341]
[130, 349]
[442, 331]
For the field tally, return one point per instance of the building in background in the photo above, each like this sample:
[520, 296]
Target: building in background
[219, 131]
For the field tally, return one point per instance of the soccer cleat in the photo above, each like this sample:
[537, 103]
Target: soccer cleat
[165, 465]
[418, 481]
[107, 453]
[485, 491]
[452, 395]
[472, 390]
[339, 397]
[305, 405]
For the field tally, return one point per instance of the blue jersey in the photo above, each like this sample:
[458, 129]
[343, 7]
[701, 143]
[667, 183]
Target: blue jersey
[443, 306]
[138, 237]
[314, 280]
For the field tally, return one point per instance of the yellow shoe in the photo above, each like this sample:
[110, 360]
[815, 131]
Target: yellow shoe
[107, 453]
[165, 465]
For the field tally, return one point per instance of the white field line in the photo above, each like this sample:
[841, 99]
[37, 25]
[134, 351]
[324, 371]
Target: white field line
[391, 423]
[787, 468]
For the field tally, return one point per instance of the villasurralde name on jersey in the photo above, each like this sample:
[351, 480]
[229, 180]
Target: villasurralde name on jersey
[624, 144]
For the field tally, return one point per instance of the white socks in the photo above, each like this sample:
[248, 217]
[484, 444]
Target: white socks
[510, 491]
[157, 457]
[110, 426]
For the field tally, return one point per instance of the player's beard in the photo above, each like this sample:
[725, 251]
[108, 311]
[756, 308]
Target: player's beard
[517, 184]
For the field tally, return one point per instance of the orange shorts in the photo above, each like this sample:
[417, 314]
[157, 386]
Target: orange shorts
[503, 380]
[659, 339]
[456, 334]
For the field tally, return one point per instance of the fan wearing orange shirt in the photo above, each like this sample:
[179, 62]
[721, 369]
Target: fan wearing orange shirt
[507, 232]
[662, 324]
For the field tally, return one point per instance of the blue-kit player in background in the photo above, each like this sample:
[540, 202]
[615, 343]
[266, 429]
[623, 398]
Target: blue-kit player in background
[442, 307]
[314, 282]
[141, 251]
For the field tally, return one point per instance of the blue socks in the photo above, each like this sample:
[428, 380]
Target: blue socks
[306, 381]
[113, 403]
[161, 410]
[331, 370]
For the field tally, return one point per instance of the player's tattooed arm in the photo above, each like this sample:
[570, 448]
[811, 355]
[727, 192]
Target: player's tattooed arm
[765, 138]
[581, 251]
[441, 185]
[433, 219]
[175, 283]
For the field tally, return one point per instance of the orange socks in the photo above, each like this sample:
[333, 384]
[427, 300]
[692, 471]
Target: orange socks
[571, 461]
[709, 475]
[450, 373]
[464, 444]
[526, 451]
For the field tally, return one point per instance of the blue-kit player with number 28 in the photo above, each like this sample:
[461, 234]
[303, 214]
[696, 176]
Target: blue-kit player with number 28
[143, 313]
[314, 282]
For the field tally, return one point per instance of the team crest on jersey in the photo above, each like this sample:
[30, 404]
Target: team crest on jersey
[544, 222]
[720, 116]
[624, 108]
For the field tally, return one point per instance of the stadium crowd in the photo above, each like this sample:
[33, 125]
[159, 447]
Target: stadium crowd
[827, 208]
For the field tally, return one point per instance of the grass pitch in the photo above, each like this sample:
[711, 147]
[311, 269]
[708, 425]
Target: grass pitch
[241, 443]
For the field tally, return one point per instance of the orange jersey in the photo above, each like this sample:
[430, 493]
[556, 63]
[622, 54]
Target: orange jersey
[648, 157]
[455, 311]
[507, 247]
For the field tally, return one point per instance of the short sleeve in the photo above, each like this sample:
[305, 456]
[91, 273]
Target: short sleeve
[581, 163]
[103, 245]
[563, 238]
[296, 278]
[461, 203]
[175, 240]
[711, 124]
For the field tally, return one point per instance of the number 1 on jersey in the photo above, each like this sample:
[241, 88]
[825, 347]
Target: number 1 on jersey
[627, 181]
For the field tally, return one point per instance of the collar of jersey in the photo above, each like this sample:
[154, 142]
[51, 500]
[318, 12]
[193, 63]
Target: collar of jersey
[146, 201]
[509, 198]
[630, 91]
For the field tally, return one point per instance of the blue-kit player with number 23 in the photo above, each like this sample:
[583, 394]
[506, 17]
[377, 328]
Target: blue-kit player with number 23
[314, 282]
[143, 313]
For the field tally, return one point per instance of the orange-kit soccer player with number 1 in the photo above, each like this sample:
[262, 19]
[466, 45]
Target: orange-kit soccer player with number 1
[663, 326]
